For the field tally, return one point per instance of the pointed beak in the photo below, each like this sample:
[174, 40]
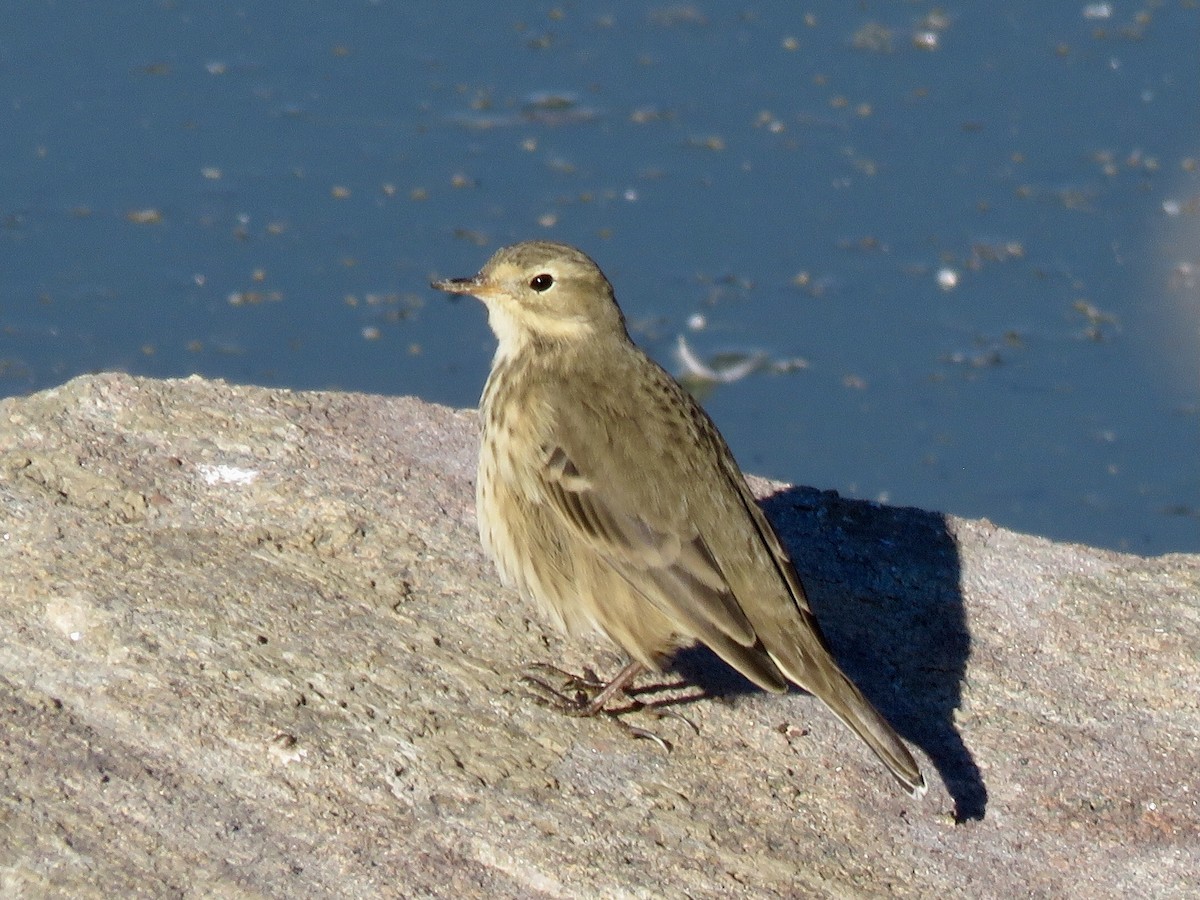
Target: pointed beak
[478, 286]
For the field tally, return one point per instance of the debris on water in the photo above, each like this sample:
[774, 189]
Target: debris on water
[478, 238]
[147, 216]
[783, 366]
[725, 368]
[543, 107]
[988, 352]
[1099, 324]
[814, 285]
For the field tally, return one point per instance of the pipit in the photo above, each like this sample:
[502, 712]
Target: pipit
[607, 495]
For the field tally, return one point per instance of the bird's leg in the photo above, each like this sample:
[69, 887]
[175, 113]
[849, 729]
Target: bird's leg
[591, 694]
[587, 681]
[581, 705]
[623, 680]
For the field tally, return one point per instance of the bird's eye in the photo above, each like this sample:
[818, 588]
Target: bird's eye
[542, 282]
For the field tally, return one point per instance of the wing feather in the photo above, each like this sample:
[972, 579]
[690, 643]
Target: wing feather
[687, 581]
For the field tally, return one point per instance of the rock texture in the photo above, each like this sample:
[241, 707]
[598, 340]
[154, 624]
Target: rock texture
[249, 646]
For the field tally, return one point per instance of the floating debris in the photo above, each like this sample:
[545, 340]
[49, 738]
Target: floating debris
[713, 142]
[873, 37]
[1099, 323]
[1184, 276]
[784, 366]
[725, 369]
[677, 14]
[988, 352]
[947, 278]
[148, 216]
[542, 107]
[253, 298]
[478, 238]
[925, 40]
[999, 251]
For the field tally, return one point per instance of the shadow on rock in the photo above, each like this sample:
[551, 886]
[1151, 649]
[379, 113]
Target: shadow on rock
[884, 583]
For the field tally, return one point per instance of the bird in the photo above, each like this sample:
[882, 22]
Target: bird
[606, 495]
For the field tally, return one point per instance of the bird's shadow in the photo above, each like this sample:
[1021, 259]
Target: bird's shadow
[884, 584]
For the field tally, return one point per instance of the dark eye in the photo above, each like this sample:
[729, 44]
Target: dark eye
[542, 282]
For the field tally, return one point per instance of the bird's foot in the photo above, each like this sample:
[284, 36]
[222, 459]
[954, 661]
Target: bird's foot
[583, 686]
[588, 695]
[571, 694]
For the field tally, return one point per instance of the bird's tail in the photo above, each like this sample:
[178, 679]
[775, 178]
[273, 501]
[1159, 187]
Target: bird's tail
[848, 704]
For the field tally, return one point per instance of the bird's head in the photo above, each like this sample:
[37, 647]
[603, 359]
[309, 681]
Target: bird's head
[540, 290]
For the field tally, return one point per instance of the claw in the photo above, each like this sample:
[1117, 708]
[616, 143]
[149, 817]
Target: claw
[590, 695]
[589, 680]
[642, 733]
[544, 694]
[660, 713]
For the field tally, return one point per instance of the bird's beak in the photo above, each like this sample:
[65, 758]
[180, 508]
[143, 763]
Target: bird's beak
[477, 286]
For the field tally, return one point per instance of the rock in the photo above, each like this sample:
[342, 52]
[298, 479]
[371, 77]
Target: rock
[250, 646]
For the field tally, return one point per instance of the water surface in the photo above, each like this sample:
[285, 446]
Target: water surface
[963, 237]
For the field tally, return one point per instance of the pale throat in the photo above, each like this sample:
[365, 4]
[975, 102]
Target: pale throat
[513, 336]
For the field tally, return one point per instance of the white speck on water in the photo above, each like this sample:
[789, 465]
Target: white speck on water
[1098, 11]
[925, 40]
[947, 279]
[697, 322]
[227, 474]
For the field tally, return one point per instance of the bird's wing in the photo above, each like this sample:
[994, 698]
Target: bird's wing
[690, 583]
[639, 506]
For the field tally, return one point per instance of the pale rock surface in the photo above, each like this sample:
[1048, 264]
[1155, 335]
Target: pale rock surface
[249, 647]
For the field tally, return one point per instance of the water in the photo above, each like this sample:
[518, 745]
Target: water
[964, 236]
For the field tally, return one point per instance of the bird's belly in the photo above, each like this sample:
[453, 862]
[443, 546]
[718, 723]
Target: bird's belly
[543, 557]
[528, 552]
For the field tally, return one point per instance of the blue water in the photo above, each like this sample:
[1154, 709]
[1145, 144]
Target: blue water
[262, 194]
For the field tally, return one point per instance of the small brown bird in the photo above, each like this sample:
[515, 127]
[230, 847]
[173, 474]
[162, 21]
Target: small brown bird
[607, 495]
